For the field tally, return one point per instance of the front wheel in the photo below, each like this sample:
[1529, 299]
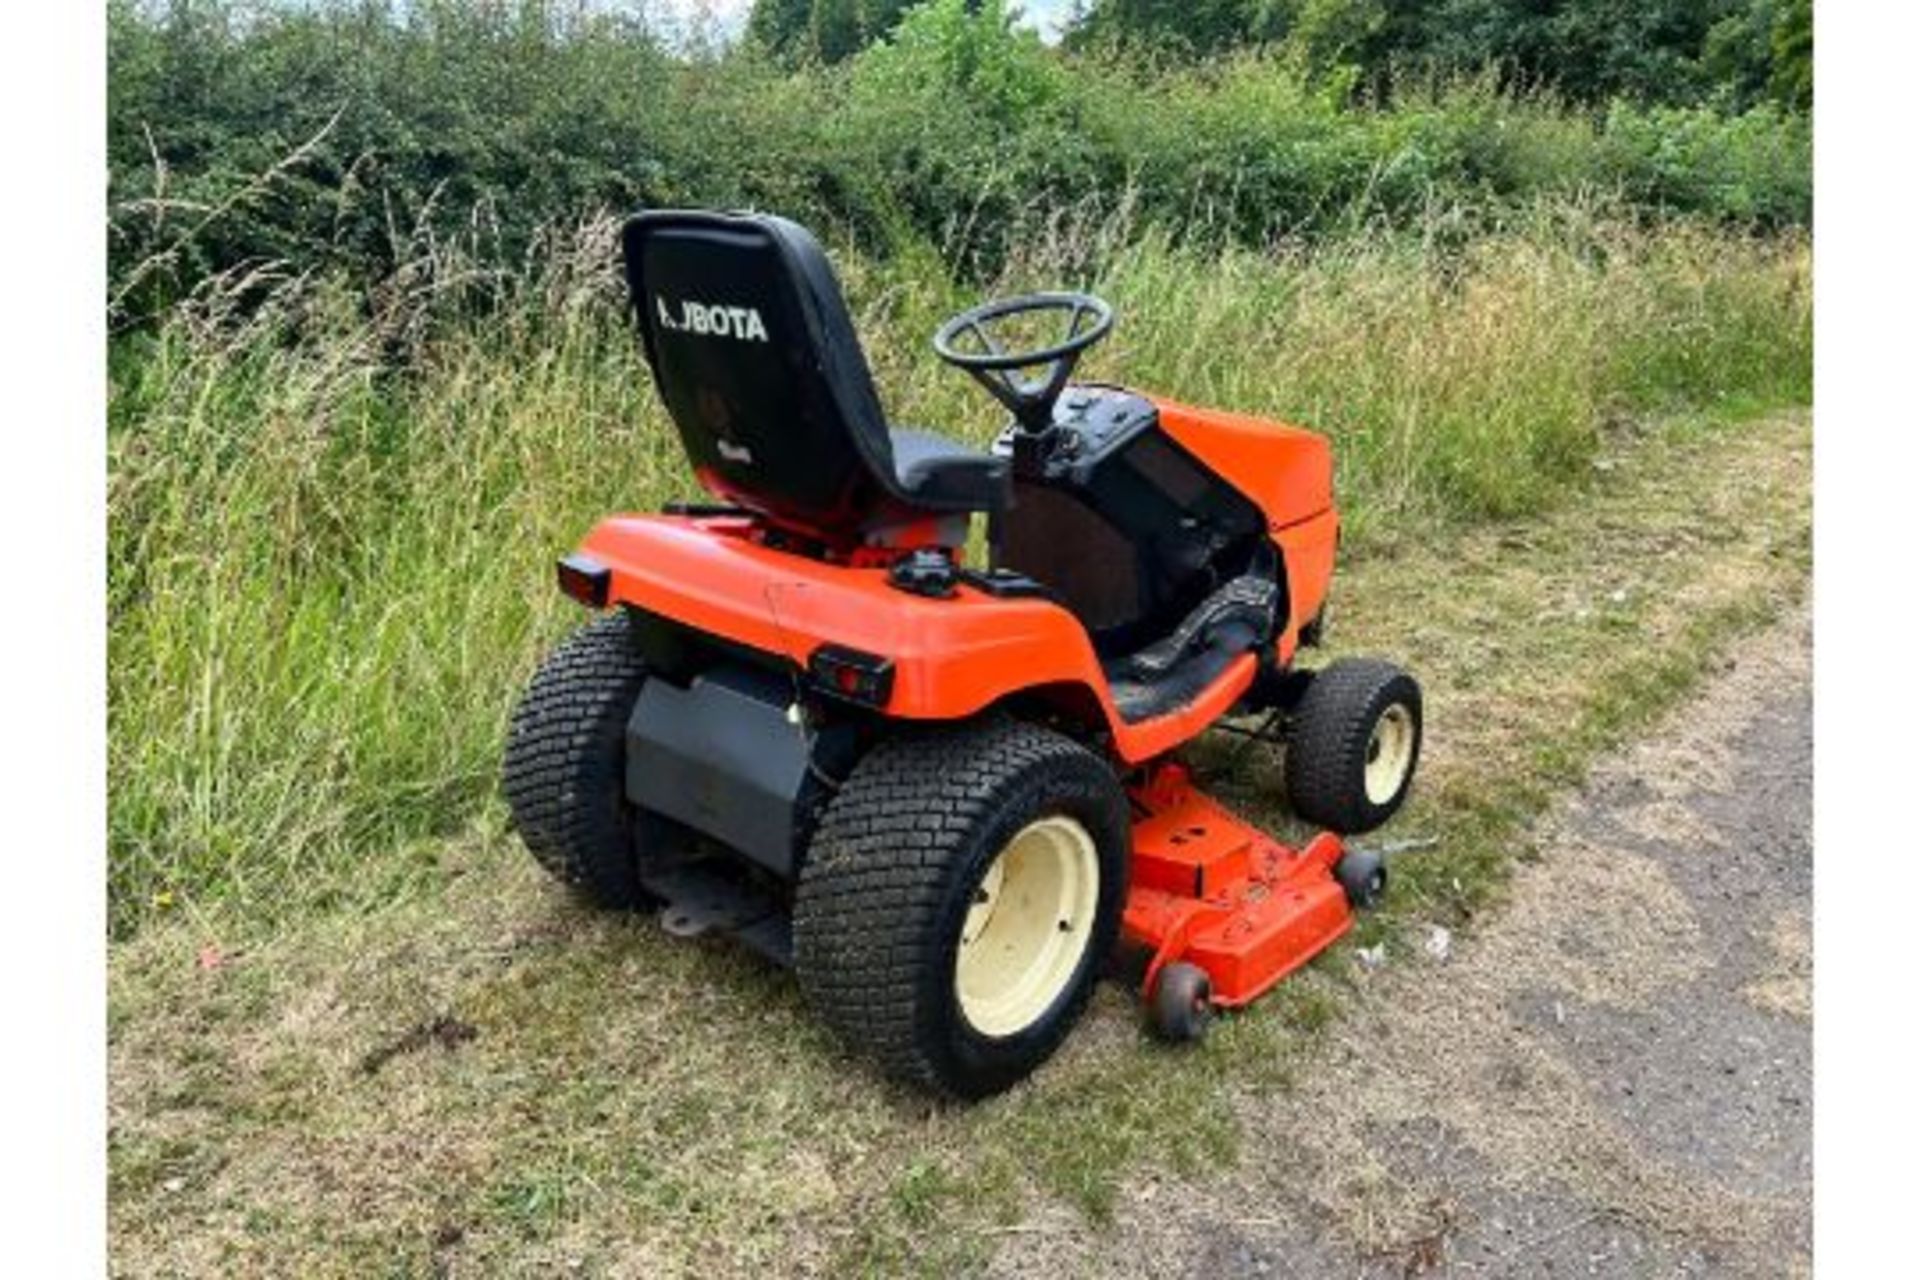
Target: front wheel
[959, 898]
[1353, 744]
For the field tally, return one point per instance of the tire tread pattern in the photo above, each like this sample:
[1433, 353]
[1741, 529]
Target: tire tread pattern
[1327, 743]
[882, 860]
[564, 767]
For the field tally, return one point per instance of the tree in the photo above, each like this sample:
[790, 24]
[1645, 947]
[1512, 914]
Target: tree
[1792, 78]
[781, 27]
[1738, 57]
[836, 29]
[828, 30]
[1585, 50]
[1186, 27]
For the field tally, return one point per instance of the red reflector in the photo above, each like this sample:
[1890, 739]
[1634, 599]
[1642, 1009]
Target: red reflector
[853, 675]
[585, 579]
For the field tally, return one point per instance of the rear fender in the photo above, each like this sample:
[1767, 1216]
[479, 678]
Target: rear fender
[951, 658]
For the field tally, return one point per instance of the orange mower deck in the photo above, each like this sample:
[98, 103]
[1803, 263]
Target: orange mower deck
[1209, 890]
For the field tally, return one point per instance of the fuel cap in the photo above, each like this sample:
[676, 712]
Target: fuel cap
[925, 573]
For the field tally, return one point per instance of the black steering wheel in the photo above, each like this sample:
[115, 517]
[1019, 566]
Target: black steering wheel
[1030, 399]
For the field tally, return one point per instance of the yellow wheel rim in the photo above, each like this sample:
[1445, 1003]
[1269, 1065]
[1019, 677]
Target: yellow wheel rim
[1030, 923]
[1389, 753]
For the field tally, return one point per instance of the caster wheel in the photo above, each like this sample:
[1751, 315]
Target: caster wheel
[1182, 1004]
[1363, 874]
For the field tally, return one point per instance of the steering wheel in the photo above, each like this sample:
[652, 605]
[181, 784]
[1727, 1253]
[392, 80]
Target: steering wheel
[1030, 399]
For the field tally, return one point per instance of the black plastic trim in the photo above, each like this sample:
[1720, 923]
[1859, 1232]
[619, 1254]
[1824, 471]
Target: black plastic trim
[1005, 584]
[703, 509]
[871, 676]
[585, 579]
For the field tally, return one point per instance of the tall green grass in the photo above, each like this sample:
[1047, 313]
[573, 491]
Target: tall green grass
[332, 518]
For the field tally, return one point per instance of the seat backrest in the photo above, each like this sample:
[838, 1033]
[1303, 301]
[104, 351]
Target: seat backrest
[759, 366]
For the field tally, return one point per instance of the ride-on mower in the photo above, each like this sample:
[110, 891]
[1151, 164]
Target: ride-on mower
[946, 792]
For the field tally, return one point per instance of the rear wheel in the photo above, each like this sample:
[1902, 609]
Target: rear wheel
[1353, 744]
[960, 896]
[565, 768]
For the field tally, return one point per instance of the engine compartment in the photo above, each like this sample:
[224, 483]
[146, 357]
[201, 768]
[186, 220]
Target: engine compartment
[1127, 528]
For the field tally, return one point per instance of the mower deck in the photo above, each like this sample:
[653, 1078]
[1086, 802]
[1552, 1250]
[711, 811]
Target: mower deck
[1212, 891]
[1205, 888]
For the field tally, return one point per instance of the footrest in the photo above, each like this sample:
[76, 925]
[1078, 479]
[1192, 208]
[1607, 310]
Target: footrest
[1172, 671]
[1248, 600]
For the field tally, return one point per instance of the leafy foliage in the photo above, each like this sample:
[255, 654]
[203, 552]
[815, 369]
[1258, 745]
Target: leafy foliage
[1654, 51]
[332, 136]
[822, 30]
[1791, 43]
[324, 560]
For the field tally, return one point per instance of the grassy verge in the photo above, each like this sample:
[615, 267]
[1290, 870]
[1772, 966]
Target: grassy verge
[479, 1075]
[332, 518]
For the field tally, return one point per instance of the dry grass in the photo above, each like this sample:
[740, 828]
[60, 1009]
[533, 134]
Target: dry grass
[634, 1106]
[1787, 986]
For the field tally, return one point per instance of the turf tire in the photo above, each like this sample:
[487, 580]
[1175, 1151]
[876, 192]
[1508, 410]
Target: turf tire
[1327, 742]
[565, 768]
[893, 869]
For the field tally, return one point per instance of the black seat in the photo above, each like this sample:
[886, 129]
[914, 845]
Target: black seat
[758, 364]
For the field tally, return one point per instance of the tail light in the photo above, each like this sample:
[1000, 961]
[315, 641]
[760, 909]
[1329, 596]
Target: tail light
[585, 579]
[851, 675]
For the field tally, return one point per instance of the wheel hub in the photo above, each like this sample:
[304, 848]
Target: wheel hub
[1389, 753]
[1028, 927]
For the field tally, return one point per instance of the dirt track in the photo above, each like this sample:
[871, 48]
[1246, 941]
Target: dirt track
[1611, 1076]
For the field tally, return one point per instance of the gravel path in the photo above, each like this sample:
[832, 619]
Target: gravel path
[1612, 1075]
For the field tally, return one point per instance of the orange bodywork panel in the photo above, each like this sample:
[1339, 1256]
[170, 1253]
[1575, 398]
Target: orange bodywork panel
[1307, 550]
[955, 657]
[1288, 472]
[1208, 889]
[951, 657]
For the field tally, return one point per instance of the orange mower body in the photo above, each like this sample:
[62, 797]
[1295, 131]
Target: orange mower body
[956, 657]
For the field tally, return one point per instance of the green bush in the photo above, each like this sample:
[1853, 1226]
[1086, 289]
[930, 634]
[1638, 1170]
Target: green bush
[1752, 167]
[331, 135]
